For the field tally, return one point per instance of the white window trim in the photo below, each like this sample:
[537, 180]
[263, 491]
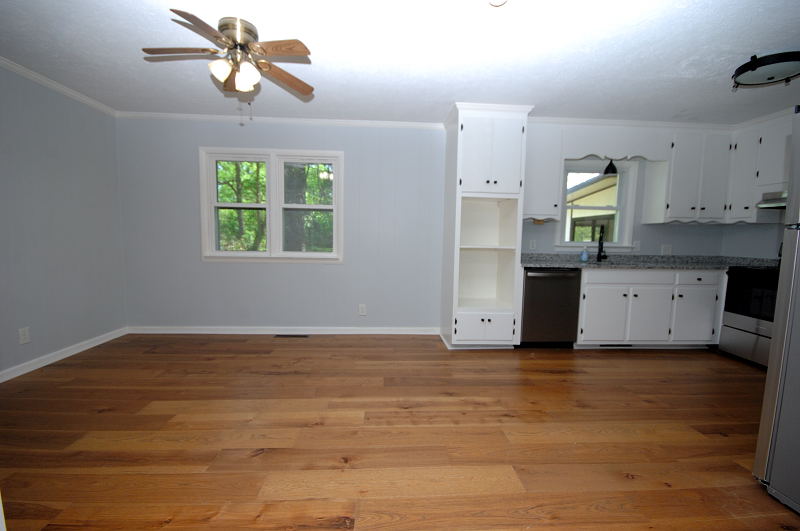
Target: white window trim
[274, 159]
[629, 171]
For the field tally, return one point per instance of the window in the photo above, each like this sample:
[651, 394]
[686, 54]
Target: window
[263, 204]
[594, 201]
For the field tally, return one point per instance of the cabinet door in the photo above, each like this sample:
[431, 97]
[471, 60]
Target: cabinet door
[475, 165]
[714, 183]
[499, 327]
[508, 138]
[604, 312]
[694, 314]
[650, 313]
[771, 158]
[469, 326]
[741, 189]
[544, 172]
[685, 168]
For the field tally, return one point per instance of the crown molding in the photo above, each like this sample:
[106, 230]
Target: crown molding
[273, 120]
[55, 86]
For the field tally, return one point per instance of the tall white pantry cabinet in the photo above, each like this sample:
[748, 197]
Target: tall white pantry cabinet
[481, 263]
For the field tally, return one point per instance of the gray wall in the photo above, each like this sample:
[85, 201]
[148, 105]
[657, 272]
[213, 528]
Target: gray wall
[393, 193]
[61, 258]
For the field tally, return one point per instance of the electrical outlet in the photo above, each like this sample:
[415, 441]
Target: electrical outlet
[666, 249]
[24, 335]
[637, 245]
[362, 309]
[532, 245]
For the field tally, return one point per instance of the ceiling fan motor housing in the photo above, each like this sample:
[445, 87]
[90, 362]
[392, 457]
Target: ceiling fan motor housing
[238, 29]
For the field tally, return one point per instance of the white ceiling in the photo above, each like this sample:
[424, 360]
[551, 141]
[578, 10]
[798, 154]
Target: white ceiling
[409, 60]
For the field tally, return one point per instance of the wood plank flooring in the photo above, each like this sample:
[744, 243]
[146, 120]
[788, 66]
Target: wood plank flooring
[382, 433]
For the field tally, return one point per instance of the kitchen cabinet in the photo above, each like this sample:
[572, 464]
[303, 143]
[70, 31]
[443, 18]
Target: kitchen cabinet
[491, 151]
[714, 177]
[650, 307]
[604, 313]
[481, 266]
[484, 326]
[741, 189]
[615, 142]
[771, 154]
[650, 313]
[694, 317]
[760, 164]
[693, 184]
[544, 172]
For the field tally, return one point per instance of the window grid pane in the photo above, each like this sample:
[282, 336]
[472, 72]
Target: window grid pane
[241, 182]
[308, 183]
[241, 229]
[307, 231]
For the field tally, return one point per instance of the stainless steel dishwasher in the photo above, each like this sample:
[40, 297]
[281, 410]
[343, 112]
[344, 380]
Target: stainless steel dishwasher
[550, 304]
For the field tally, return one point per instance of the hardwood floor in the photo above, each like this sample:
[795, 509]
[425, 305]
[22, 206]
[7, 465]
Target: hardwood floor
[381, 432]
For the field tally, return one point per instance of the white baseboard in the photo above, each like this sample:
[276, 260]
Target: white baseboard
[292, 330]
[47, 359]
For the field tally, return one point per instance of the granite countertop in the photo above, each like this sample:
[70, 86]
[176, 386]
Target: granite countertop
[643, 261]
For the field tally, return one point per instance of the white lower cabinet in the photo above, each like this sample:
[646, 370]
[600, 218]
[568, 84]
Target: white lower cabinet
[650, 307]
[692, 320]
[484, 326]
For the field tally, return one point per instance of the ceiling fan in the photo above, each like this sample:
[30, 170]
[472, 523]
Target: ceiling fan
[242, 58]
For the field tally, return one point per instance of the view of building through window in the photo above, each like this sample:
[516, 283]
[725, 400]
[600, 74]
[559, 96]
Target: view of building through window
[591, 202]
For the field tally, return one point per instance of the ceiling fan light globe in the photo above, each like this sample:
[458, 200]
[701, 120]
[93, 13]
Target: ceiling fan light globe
[220, 69]
[242, 86]
[248, 74]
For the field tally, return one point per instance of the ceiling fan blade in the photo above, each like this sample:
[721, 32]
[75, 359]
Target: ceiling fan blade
[284, 77]
[206, 30]
[166, 51]
[288, 47]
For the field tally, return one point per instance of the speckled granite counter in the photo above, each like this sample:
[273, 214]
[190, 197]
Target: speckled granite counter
[640, 261]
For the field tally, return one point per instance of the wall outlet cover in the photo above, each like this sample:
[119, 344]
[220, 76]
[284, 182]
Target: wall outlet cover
[362, 309]
[666, 249]
[24, 335]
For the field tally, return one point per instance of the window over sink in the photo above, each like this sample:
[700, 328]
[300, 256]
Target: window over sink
[594, 201]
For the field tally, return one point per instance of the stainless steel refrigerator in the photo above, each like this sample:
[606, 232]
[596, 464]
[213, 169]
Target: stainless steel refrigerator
[777, 463]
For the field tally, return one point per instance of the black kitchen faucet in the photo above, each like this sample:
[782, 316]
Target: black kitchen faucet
[601, 254]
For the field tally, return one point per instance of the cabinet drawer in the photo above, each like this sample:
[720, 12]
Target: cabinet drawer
[698, 277]
[628, 276]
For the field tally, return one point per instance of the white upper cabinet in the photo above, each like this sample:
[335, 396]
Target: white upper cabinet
[772, 153]
[741, 189]
[693, 185]
[491, 151]
[544, 172]
[616, 142]
[684, 175]
[714, 181]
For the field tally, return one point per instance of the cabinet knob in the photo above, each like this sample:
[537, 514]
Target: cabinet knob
[699, 279]
[483, 320]
[635, 294]
[702, 208]
[488, 320]
[747, 208]
[693, 208]
[555, 205]
[487, 181]
[495, 182]
[624, 294]
[680, 295]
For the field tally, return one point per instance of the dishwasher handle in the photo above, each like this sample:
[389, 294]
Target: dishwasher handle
[550, 274]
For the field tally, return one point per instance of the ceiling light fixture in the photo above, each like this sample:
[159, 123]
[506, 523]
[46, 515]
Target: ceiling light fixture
[767, 70]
